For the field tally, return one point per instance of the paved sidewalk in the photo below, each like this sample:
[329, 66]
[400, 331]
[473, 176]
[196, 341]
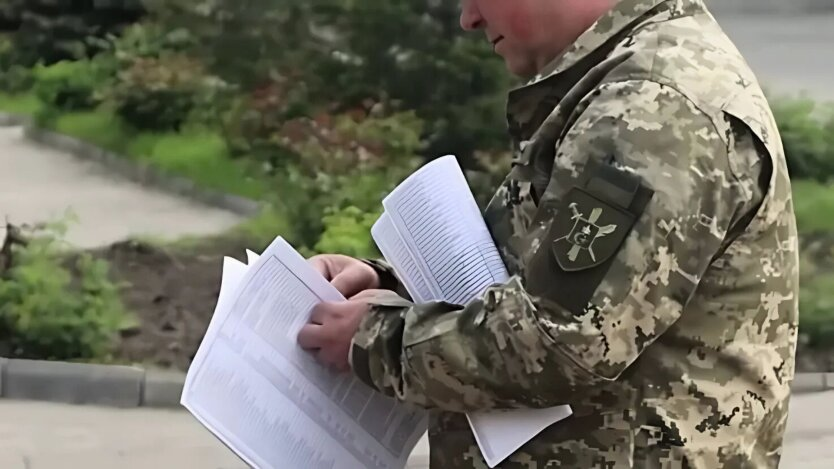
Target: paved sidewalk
[809, 443]
[40, 435]
[39, 184]
[36, 435]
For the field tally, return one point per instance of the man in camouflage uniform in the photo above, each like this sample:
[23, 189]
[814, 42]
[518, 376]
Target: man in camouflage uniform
[648, 226]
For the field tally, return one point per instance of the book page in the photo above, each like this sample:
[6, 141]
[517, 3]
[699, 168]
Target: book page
[434, 212]
[447, 245]
[393, 248]
[501, 433]
[270, 401]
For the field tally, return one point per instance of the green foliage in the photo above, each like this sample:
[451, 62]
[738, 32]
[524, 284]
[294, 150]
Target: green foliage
[816, 307]
[807, 132]
[348, 231]
[44, 314]
[157, 94]
[246, 43]
[67, 85]
[14, 78]
[816, 302]
[146, 40]
[814, 206]
[48, 31]
[326, 55]
[453, 81]
[342, 163]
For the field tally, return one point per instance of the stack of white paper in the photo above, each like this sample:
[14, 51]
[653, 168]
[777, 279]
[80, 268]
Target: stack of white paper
[267, 399]
[435, 238]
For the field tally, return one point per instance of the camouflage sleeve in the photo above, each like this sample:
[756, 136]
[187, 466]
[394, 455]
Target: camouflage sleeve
[526, 343]
[388, 279]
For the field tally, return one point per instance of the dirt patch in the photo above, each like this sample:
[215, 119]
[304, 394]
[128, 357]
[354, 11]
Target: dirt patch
[173, 293]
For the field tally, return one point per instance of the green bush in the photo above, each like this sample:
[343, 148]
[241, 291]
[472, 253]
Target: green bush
[348, 231]
[814, 206]
[46, 314]
[342, 162]
[157, 94]
[67, 85]
[807, 131]
[14, 78]
[816, 301]
[329, 55]
[50, 31]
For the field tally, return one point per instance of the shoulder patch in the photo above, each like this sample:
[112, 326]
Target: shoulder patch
[587, 230]
[589, 225]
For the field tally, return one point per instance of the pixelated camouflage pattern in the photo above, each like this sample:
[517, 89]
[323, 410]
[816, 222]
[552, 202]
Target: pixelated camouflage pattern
[684, 354]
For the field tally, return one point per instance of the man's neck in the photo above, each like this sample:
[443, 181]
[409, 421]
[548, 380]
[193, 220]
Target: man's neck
[586, 18]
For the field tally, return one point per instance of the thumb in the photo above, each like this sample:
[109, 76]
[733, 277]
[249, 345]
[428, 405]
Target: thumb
[321, 267]
[350, 281]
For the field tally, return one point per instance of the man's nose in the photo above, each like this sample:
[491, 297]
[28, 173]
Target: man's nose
[470, 17]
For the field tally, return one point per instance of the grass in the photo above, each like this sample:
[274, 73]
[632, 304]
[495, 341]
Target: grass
[26, 104]
[99, 127]
[200, 155]
[197, 154]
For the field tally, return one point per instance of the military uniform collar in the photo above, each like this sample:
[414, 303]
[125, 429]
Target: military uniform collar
[522, 101]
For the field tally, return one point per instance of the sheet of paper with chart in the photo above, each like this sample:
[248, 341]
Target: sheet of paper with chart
[269, 400]
[433, 234]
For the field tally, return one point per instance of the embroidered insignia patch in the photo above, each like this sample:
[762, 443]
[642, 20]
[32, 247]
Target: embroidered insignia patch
[588, 230]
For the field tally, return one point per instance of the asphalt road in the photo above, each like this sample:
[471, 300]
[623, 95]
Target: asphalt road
[36, 435]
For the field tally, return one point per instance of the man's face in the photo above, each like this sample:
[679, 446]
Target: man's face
[528, 34]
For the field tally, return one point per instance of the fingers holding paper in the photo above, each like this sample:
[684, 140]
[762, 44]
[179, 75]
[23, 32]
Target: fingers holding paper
[330, 332]
[347, 274]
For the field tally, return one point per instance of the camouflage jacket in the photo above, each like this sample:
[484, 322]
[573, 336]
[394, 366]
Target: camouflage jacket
[649, 230]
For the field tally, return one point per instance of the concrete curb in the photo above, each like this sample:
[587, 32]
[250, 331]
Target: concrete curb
[89, 384]
[9, 120]
[133, 171]
[128, 386]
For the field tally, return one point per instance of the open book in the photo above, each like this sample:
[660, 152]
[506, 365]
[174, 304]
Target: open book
[268, 400]
[434, 236]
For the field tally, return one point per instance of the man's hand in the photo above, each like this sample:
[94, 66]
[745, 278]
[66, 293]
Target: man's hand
[350, 276]
[330, 332]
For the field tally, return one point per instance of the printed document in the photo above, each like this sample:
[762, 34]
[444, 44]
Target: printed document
[270, 401]
[434, 236]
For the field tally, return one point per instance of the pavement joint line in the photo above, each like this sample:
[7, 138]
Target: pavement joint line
[132, 386]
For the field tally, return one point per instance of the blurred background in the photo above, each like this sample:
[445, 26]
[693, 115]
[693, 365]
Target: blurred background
[145, 140]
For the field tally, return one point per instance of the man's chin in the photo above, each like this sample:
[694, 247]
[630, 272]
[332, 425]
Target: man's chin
[520, 69]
